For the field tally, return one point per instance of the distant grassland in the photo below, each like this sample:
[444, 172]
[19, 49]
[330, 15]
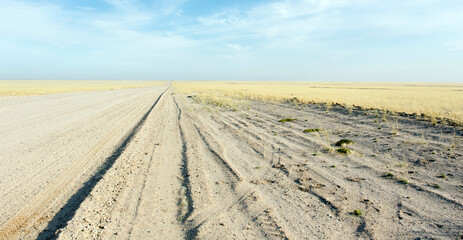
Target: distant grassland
[432, 99]
[41, 87]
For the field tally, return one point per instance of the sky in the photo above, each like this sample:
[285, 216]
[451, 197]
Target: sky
[248, 40]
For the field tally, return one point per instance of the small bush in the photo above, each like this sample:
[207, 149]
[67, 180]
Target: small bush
[344, 150]
[357, 212]
[403, 181]
[443, 176]
[389, 175]
[343, 142]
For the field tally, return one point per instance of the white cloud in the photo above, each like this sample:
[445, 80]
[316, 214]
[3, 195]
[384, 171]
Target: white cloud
[86, 8]
[237, 47]
[299, 21]
[53, 29]
[170, 7]
[120, 4]
[455, 45]
[288, 21]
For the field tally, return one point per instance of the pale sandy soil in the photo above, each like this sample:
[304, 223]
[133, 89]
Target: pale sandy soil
[193, 171]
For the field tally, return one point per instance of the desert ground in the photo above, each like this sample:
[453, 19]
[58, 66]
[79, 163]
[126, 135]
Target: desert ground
[160, 162]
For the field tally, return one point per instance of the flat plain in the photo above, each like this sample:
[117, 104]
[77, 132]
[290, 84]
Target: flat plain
[202, 161]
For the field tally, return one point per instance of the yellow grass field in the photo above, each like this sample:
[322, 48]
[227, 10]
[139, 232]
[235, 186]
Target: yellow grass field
[432, 99]
[41, 87]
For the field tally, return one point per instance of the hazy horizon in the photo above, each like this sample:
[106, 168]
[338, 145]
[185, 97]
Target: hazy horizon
[185, 40]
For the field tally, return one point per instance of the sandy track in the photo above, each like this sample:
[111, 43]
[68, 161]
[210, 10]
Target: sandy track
[52, 144]
[192, 171]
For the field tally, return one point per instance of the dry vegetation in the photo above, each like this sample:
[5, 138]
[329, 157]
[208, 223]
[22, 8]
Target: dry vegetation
[42, 87]
[434, 100]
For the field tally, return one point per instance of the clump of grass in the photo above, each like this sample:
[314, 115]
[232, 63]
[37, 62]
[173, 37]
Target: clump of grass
[312, 130]
[333, 166]
[349, 108]
[343, 150]
[258, 167]
[389, 175]
[385, 116]
[343, 142]
[357, 212]
[287, 120]
[395, 128]
[315, 154]
[324, 138]
[433, 120]
[402, 165]
[443, 176]
[436, 186]
[403, 181]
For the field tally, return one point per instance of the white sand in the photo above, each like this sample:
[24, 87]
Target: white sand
[196, 171]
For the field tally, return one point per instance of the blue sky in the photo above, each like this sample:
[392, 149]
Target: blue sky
[282, 40]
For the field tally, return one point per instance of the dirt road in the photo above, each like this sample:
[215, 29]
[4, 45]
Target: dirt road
[185, 170]
[51, 145]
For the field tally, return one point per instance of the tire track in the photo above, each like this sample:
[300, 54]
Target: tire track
[38, 207]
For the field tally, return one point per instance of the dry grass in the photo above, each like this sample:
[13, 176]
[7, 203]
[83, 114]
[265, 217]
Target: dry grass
[41, 87]
[432, 99]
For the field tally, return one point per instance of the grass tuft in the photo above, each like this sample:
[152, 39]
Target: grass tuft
[287, 120]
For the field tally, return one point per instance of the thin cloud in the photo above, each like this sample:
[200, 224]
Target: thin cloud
[86, 8]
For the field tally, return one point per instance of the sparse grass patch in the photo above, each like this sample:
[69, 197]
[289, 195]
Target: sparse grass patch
[312, 130]
[440, 100]
[217, 100]
[343, 142]
[402, 165]
[287, 120]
